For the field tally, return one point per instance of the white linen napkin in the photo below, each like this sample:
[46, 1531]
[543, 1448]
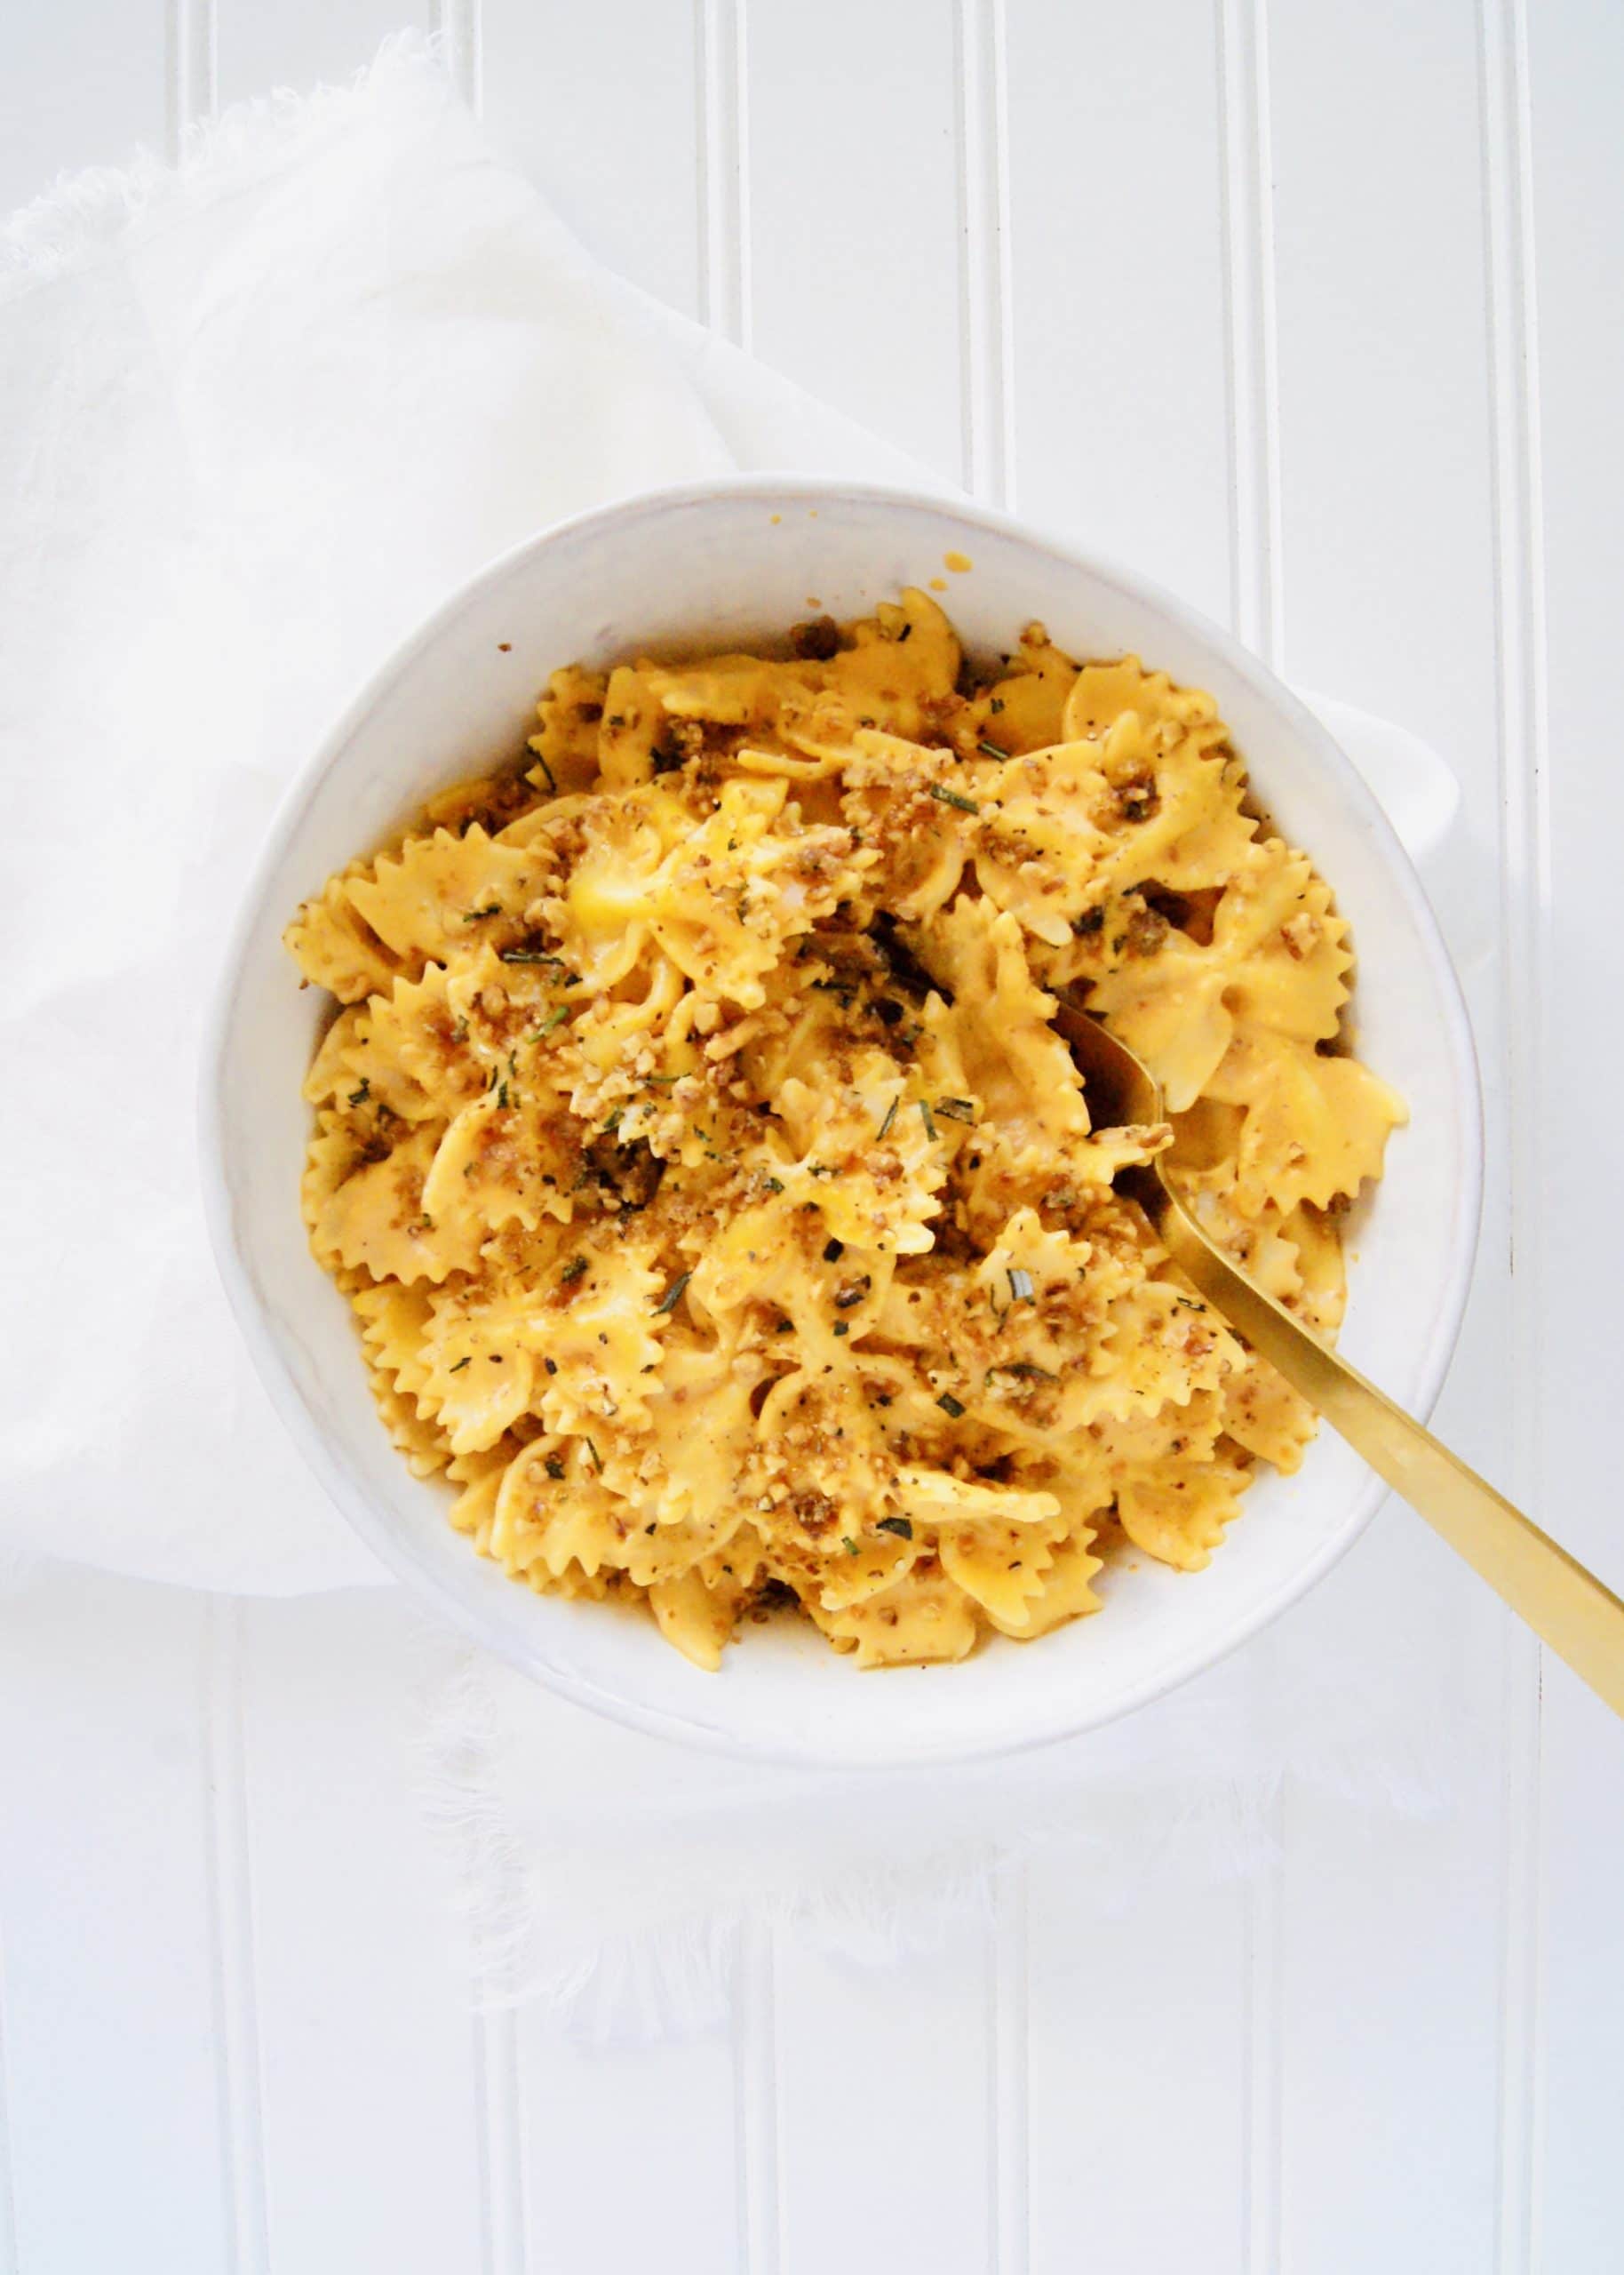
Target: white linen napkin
[258, 414]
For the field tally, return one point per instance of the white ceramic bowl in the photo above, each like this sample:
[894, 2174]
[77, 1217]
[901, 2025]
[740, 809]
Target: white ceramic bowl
[720, 565]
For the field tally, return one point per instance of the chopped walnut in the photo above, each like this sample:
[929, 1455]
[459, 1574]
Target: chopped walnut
[1302, 935]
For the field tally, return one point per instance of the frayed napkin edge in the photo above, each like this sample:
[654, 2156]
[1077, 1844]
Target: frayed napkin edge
[678, 1978]
[102, 211]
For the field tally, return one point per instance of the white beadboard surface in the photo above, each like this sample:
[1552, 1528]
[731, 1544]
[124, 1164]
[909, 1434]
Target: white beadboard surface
[1315, 312]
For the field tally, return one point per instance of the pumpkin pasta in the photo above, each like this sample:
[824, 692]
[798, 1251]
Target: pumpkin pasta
[722, 1215]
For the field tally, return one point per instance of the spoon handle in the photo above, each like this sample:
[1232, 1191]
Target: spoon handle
[1567, 1607]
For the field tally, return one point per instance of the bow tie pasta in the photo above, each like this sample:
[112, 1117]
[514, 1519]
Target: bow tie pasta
[722, 1215]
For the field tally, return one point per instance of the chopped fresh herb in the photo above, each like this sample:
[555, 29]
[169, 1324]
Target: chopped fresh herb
[906, 971]
[785, 1326]
[818, 1169]
[902, 1526]
[597, 1459]
[554, 1467]
[833, 1251]
[572, 979]
[930, 1127]
[774, 1184]
[944, 796]
[1184, 1302]
[672, 1296]
[530, 955]
[613, 1123]
[996, 705]
[950, 1405]
[502, 1094]
[460, 1033]
[1026, 1369]
[546, 769]
[849, 1543]
[1092, 920]
[957, 1109]
[555, 1019]
[359, 1097]
[991, 750]
[851, 1297]
[461, 1364]
[476, 915]
[1021, 1289]
[885, 1124]
[840, 1328]
[575, 1269]
[905, 634]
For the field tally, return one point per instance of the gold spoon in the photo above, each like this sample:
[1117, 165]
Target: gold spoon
[1567, 1607]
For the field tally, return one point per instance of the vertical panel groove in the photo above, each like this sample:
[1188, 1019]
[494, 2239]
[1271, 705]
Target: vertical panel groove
[1256, 610]
[1519, 637]
[456, 24]
[489, 1894]
[756, 2103]
[499, 2131]
[1009, 1995]
[1264, 2054]
[1247, 203]
[724, 305]
[10, 2257]
[985, 301]
[724, 159]
[190, 27]
[987, 458]
[236, 2028]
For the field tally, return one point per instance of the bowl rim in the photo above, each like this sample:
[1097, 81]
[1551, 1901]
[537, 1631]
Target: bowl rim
[377, 1529]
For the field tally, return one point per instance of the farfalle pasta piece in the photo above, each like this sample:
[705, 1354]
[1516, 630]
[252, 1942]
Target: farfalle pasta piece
[394, 1320]
[1026, 709]
[1315, 1128]
[1042, 836]
[1066, 1592]
[722, 1211]
[566, 743]
[989, 1030]
[1177, 1513]
[724, 904]
[1002, 1567]
[421, 1446]
[1277, 960]
[698, 1616]
[336, 949]
[438, 892]
[924, 1616]
[372, 1219]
